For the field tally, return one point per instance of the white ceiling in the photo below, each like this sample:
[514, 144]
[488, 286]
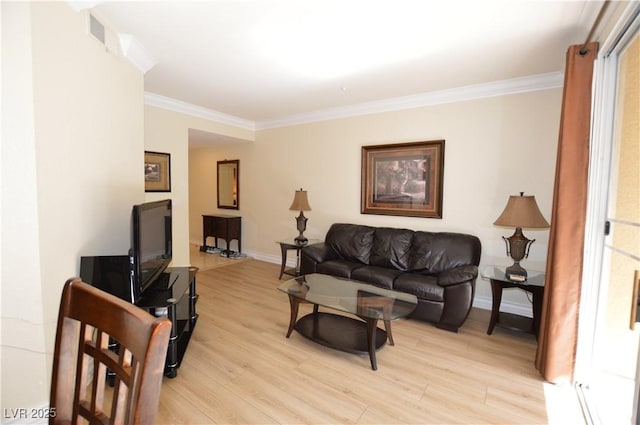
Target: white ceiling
[267, 60]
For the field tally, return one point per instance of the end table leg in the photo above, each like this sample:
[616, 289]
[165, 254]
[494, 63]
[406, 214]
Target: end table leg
[283, 250]
[496, 295]
[297, 262]
[538, 294]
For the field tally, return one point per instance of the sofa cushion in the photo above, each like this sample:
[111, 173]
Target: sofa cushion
[433, 253]
[422, 286]
[339, 268]
[391, 248]
[378, 276]
[351, 242]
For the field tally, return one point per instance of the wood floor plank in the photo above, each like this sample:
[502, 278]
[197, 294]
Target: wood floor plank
[241, 369]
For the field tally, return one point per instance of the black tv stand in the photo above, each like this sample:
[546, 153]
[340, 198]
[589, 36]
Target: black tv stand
[172, 294]
[178, 303]
[163, 282]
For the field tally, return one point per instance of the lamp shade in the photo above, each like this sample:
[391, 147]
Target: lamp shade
[300, 201]
[522, 211]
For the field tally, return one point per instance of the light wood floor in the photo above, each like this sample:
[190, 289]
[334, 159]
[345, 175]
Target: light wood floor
[240, 369]
[207, 261]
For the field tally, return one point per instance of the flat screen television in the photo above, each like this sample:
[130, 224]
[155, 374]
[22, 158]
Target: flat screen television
[151, 243]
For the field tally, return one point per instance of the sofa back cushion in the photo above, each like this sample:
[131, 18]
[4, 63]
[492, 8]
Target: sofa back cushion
[391, 248]
[434, 253]
[351, 242]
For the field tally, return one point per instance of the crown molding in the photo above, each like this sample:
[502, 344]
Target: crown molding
[537, 82]
[497, 88]
[80, 5]
[137, 54]
[175, 105]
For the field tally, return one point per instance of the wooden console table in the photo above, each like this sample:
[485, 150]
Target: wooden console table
[225, 227]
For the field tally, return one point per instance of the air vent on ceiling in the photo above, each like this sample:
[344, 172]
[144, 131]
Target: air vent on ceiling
[96, 29]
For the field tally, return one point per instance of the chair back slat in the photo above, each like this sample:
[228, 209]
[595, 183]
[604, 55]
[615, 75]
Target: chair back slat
[90, 321]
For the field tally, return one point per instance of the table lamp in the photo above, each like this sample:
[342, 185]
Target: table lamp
[521, 211]
[300, 203]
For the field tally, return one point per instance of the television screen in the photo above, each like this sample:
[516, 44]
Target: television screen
[151, 241]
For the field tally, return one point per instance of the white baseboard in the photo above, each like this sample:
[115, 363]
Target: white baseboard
[275, 259]
[485, 303]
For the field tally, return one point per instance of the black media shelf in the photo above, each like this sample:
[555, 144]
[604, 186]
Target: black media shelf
[172, 294]
[178, 302]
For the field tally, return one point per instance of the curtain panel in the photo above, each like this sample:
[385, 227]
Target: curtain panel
[557, 340]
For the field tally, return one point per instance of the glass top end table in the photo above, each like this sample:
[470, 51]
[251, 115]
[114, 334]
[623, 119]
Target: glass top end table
[534, 277]
[291, 244]
[534, 284]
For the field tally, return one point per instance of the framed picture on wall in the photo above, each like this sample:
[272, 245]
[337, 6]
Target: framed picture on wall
[157, 172]
[403, 179]
[635, 301]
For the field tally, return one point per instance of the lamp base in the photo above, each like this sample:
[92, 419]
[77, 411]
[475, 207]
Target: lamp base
[516, 272]
[301, 221]
[518, 246]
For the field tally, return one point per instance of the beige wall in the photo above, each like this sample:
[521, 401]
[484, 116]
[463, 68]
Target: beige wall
[71, 170]
[495, 147]
[167, 131]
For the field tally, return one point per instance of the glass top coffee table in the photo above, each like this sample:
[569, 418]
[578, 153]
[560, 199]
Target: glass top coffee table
[339, 331]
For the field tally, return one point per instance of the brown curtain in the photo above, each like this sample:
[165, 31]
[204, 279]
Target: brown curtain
[559, 322]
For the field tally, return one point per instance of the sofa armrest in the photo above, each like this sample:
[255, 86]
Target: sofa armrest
[319, 252]
[458, 275]
[312, 255]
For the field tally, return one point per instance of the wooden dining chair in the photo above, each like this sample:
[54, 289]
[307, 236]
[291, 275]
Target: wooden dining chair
[88, 317]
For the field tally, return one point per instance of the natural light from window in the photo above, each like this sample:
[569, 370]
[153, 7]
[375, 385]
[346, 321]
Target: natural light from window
[562, 404]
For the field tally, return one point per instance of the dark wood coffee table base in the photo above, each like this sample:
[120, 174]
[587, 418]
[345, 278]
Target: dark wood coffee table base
[340, 332]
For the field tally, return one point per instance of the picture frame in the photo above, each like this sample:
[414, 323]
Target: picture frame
[228, 176]
[404, 179]
[157, 172]
[635, 302]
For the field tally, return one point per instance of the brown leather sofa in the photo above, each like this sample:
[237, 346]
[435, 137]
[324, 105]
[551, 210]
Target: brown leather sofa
[439, 268]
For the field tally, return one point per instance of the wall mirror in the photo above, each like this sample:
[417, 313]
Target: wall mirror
[229, 184]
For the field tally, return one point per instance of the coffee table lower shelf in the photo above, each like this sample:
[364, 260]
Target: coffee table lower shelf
[341, 333]
[367, 303]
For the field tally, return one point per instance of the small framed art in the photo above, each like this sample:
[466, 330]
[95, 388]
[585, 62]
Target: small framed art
[403, 179]
[635, 301]
[157, 172]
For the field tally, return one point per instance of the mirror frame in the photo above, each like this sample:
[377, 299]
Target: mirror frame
[236, 182]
